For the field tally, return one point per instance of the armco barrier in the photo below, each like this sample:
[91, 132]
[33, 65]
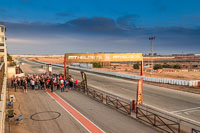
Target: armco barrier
[136, 77]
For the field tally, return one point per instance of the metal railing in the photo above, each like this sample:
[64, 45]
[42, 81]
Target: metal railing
[121, 104]
[186, 125]
[95, 94]
[118, 104]
[195, 130]
[158, 121]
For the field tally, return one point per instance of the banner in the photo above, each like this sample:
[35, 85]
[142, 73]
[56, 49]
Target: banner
[67, 72]
[140, 92]
[103, 57]
[84, 79]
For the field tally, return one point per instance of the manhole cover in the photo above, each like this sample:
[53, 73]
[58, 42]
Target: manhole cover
[45, 116]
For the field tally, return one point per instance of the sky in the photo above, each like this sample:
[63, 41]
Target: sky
[66, 26]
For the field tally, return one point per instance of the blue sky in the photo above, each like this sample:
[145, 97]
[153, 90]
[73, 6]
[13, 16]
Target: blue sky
[59, 26]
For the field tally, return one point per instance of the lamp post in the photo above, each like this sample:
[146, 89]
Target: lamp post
[151, 39]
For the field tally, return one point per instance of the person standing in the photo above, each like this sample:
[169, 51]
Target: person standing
[71, 83]
[15, 84]
[36, 84]
[54, 82]
[62, 85]
[25, 85]
[32, 84]
[28, 81]
[51, 84]
[47, 83]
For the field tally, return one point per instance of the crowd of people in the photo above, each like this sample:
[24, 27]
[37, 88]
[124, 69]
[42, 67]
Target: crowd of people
[44, 82]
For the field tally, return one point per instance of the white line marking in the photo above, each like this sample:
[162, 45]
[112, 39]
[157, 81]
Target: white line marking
[77, 111]
[186, 110]
[174, 115]
[69, 113]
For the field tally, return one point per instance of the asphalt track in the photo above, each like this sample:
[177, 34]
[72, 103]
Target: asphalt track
[182, 103]
[41, 111]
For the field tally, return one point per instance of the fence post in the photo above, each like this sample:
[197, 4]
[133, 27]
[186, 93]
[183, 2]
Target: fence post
[117, 99]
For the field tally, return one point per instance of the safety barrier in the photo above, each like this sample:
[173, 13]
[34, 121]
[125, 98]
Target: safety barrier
[195, 131]
[157, 121]
[95, 94]
[118, 104]
[191, 83]
[166, 121]
[112, 100]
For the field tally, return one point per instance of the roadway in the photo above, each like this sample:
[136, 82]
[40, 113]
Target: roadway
[174, 101]
[39, 110]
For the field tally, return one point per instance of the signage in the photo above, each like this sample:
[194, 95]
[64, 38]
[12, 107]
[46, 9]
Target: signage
[67, 72]
[140, 92]
[103, 57]
[84, 79]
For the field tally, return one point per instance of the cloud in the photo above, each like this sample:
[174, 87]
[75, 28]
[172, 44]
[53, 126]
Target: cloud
[94, 24]
[159, 5]
[24, 0]
[124, 27]
[2, 10]
[97, 34]
[64, 14]
[127, 22]
[196, 16]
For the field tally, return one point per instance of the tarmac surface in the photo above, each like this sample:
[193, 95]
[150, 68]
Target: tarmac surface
[42, 114]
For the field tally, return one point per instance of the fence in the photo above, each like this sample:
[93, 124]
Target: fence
[123, 106]
[195, 131]
[119, 103]
[158, 121]
[162, 120]
[166, 121]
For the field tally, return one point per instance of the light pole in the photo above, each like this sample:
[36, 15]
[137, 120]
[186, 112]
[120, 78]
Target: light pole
[151, 39]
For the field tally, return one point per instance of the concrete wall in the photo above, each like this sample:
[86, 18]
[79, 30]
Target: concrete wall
[3, 106]
[11, 71]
